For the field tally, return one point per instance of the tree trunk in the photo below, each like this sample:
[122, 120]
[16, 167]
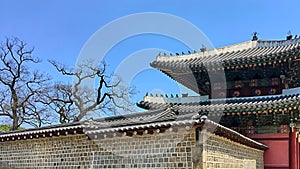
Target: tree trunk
[14, 110]
[15, 122]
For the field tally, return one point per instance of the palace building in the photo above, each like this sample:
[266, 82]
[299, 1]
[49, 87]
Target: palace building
[245, 117]
[252, 88]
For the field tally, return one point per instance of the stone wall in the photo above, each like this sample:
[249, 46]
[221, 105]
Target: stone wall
[158, 150]
[71, 151]
[219, 152]
[177, 149]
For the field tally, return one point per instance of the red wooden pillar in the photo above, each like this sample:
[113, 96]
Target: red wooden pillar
[298, 152]
[293, 152]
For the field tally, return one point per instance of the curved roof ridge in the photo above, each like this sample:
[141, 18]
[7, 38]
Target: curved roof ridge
[231, 49]
[211, 52]
[274, 43]
[131, 115]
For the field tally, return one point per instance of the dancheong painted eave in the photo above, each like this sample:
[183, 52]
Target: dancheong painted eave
[220, 107]
[246, 54]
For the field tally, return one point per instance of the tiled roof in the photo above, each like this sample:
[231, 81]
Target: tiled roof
[276, 103]
[251, 52]
[235, 136]
[188, 121]
[49, 131]
[154, 120]
[151, 116]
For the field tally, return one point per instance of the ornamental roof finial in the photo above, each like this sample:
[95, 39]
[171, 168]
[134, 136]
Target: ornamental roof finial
[254, 37]
[289, 35]
[203, 49]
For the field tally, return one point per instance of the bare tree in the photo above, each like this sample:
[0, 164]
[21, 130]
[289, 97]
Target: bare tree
[74, 102]
[20, 87]
[59, 100]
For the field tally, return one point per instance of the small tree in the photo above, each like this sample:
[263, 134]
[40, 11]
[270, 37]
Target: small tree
[74, 102]
[20, 87]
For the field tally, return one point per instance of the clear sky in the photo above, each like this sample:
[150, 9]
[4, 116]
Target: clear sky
[58, 29]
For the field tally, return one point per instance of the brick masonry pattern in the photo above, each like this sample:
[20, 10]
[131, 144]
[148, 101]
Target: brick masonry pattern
[169, 150]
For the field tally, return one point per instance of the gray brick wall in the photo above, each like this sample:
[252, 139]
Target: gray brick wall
[169, 150]
[159, 150]
[219, 152]
[72, 151]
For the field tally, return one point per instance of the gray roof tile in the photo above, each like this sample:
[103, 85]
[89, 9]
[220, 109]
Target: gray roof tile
[233, 54]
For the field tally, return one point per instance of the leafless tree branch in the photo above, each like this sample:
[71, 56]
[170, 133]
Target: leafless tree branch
[21, 84]
[82, 101]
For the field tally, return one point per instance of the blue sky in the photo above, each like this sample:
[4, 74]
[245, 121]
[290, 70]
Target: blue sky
[58, 29]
